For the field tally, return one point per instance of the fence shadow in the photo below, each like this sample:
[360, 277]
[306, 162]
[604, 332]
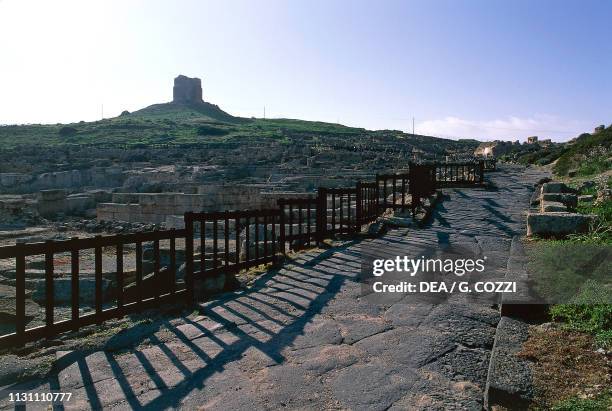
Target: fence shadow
[268, 317]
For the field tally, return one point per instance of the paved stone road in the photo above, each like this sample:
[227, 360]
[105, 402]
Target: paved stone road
[305, 338]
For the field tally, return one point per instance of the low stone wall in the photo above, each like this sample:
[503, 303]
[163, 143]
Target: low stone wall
[69, 179]
[555, 217]
[166, 207]
[53, 202]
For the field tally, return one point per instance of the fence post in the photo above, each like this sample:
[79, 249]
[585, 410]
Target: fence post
[481, 171]
[321, 214]
[20, 294]
[189, 257]
[281, 239]
[49, 290]
[98, 279]
[377, 195]
[358, 207]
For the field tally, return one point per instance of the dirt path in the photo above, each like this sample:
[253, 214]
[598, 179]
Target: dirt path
[305, 338]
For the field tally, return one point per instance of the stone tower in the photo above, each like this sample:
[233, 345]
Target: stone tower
[187, 90]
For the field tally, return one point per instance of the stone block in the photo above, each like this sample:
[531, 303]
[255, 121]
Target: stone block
[556, 187]
[62, 290]
[175, 221]
[558, 224]
[509, 380]
[79, 204]
[570, 200]
[52, 195]
[100, 196]
[552, 206]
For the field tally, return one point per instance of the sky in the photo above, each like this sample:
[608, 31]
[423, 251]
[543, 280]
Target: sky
[486, 69]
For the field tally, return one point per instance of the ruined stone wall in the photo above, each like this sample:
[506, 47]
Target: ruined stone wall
[69, 179]
[159, 207]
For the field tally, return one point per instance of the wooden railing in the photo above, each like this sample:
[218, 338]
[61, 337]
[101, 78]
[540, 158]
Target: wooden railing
[161, 284]
[490, 164]
[459, 174]
[212, 243]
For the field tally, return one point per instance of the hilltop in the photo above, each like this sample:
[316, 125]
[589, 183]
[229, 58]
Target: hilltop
[187, 144]
[189, 120]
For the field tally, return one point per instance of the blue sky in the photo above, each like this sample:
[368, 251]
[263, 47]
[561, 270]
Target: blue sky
[483, 69]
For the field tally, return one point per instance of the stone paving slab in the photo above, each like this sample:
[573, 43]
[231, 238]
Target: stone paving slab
[305, 338]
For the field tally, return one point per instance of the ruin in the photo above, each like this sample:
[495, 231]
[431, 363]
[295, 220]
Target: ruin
[554, 212]
[187, 90]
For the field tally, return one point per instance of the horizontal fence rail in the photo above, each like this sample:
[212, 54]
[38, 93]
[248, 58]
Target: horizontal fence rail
[367, 203]
[298, 221]
[490, 164]
[90, 280]
[393, 189]
[108, 292]
[459, 174]
[229, 241]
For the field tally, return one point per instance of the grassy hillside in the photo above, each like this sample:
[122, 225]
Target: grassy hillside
[201, 124]
[587, 155]
[156, 125]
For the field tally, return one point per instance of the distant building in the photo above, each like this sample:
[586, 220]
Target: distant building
[532, 140]
[546, 142]
[599, 129]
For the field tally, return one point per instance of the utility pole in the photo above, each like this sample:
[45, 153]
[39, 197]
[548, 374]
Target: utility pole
[102, 111]
[412, 126]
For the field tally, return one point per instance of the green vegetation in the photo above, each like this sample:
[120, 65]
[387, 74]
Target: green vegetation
[184, 125]
[600, 402]
[577, 269]
[211, 131]
[540, 155]
[562, 268]
[165, 124]
[602, 210]
[588, 312]
[589, 154]
[67, 131]
[586, 155]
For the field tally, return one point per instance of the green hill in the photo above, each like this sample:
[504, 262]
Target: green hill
[203, 111]
[205, 123]
[586, 155]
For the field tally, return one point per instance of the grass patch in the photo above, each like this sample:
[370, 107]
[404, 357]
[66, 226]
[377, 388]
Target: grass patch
[602, 210]
[590, 312]
[588, 155]
[602, 401]
[560, 269]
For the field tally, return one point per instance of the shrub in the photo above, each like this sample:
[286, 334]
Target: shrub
[601, 402]
[67, 131]
[588, 312]
[211, 131]
[586, 147]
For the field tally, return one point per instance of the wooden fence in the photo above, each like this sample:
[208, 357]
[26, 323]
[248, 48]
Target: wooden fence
[490, 164]
[212, 243]
[161, 285]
